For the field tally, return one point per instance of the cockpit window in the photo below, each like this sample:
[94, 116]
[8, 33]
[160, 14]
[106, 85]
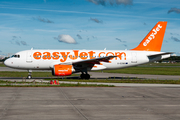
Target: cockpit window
[12, 56]
[16, 56]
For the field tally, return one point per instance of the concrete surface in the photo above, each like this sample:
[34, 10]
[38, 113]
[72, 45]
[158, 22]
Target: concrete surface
[89, 103]
[120, 75]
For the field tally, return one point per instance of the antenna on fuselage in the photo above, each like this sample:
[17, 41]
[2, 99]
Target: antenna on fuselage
[32, 48]
[104, 48]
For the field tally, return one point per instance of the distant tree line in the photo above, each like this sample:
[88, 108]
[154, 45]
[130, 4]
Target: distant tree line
[4, 59]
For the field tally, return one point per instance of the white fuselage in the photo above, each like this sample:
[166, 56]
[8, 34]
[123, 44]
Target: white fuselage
[46, 59]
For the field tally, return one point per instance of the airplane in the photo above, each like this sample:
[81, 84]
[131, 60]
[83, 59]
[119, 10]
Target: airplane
[67, 62]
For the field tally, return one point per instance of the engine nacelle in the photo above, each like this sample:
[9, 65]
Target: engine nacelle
[62, 70]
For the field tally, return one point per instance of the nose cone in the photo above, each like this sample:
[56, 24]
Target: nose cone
[7, 63]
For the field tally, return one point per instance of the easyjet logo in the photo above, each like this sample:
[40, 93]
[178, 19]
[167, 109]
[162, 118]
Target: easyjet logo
[152, 35]
[75, 54]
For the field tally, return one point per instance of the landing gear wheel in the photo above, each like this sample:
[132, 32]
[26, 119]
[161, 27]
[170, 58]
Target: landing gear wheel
[29, 77]
[29, 74]
[82, 76]
[85, 76]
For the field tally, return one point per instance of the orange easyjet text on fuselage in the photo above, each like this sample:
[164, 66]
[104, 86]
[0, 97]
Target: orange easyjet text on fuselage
[75, 55]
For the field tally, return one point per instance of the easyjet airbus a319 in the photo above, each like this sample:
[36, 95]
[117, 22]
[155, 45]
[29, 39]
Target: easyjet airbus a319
[66, 62]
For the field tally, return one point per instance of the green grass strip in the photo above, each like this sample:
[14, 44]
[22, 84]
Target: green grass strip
[150, 68]
[161, 64]
[147, 70]
[61, 85]
[2, 65]
[25, 74]
[123, 81]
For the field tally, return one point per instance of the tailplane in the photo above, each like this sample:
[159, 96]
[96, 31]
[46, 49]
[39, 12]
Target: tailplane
[153, 40]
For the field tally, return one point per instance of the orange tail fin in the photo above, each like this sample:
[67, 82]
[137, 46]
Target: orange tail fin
[153, 40]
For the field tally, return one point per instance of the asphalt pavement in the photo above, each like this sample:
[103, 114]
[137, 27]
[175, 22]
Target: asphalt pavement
[89, 103]
[125, 102]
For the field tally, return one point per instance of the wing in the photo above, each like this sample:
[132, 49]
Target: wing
[95, 60]
[88, 64]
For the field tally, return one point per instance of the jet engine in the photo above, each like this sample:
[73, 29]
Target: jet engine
[62, 70]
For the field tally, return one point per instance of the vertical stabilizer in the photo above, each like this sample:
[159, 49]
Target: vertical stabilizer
[153, 40]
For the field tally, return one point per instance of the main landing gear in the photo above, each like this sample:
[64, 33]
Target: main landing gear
[85, 76]
[29, 74]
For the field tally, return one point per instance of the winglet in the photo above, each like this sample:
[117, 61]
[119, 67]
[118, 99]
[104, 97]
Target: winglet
[153, 40]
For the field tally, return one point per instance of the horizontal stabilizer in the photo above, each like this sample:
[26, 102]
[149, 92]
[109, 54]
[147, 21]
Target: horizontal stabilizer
[155, 55]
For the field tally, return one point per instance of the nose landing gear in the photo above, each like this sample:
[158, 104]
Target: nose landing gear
[29, 74]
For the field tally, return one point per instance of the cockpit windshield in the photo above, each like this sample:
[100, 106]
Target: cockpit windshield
[15, 56]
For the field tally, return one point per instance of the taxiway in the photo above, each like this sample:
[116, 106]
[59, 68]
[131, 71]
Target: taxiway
[89, 103]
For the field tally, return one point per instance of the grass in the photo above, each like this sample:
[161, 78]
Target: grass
[147, 70]
[27, 84]
[150, 68]
[161, 64]
[131, 70]
[2, 65]
[123, 81]
[32, 84]
[24, 74]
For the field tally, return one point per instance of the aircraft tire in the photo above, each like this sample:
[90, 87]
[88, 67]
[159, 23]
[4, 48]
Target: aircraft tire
[85, 76]
[29, 77]
[82, 76]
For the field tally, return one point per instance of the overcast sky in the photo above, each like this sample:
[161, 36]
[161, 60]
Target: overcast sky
[85, 24]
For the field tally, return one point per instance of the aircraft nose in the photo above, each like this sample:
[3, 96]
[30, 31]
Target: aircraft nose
[7, 63]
